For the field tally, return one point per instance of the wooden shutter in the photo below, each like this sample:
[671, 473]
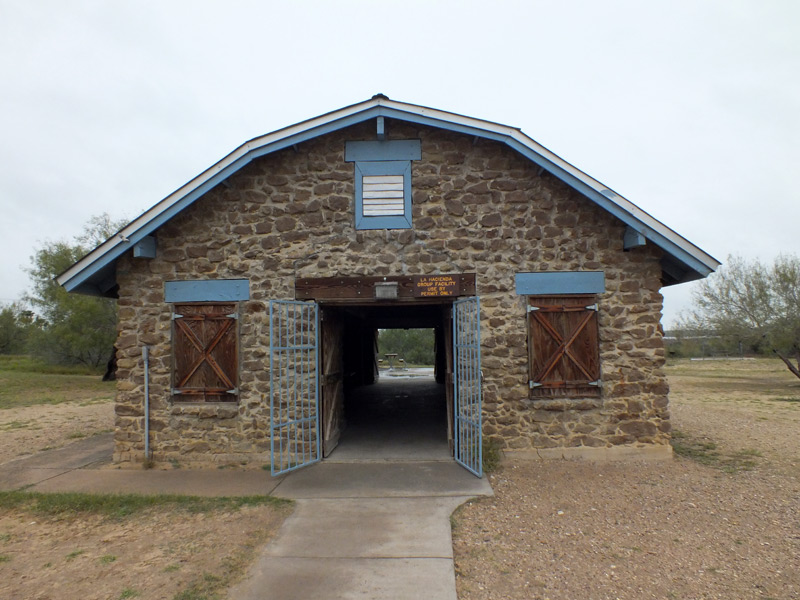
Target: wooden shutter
[205, 353]
[564, 347]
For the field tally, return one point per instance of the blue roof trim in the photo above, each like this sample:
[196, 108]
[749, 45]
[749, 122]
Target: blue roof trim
[616, 210]
[567, 178]
[88, 278]
[153, 225]
[214, 181]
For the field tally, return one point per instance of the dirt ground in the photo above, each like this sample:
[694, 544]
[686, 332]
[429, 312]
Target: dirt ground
[28, 429]
[163, 553]
[721, 520]
[160, 554]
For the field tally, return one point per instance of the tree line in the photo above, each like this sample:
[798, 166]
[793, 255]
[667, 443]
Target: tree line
[414, 346]
[49, 323]
[749, 306]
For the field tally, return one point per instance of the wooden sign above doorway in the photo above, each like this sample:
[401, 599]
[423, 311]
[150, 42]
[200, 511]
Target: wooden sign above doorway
[436, 286]
[409, 287]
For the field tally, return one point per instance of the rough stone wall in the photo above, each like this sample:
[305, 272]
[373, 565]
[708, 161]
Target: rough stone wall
[477, 207]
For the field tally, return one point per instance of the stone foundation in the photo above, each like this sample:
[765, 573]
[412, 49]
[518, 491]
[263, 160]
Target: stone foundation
[630, 452]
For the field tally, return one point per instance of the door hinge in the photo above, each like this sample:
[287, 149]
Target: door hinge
[176, 316]
[176, 392]
[532, 308]
[234, 391]
[593, 307]
[534, 384]
[233, 316]
[597, 383]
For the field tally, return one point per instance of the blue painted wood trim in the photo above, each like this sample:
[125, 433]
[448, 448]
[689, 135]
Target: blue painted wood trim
[208, 290]
[383, 150]
[560, 282]
[632, 239]
[388, 167]
[381, 132]
[613, 208]
[564, 176]
[153, 225]
[375, 111]
[86, 274]
[145, 248]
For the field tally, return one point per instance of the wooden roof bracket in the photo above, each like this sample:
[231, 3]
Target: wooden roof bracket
[381, 128]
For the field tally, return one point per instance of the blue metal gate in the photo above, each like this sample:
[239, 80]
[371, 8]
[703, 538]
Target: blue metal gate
[293, 384]
[467, 384]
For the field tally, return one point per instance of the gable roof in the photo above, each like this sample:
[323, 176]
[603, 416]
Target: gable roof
[95, 273]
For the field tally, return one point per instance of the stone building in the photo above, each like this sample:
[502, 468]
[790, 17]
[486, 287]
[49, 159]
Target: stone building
[258, 287]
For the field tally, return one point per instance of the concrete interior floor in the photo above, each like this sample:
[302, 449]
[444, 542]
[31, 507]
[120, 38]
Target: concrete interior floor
[397, 419]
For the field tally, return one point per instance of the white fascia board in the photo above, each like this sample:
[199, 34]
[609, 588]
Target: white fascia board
[127, 236]
[651, 225]
[629, 207]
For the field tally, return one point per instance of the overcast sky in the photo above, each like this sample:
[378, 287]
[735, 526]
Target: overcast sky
[689, 108]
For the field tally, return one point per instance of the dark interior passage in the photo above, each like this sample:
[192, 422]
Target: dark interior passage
[369, 413]
[397, 418]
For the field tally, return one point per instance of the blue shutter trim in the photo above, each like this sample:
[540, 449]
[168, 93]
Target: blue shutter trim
[560, 282]
[386, 167]
[208, 290]
[383, 150]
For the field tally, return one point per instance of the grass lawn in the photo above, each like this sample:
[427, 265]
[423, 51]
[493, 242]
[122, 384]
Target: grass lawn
[26, 382]
[765, 379]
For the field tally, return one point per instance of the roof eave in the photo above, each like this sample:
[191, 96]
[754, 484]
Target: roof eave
[695, 262]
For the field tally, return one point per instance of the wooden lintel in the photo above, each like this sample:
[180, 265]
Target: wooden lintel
[363, 288]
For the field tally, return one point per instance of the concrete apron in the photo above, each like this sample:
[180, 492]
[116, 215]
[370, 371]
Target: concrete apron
[365, 530]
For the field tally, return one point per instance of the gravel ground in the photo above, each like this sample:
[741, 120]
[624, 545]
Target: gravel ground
[679, 529]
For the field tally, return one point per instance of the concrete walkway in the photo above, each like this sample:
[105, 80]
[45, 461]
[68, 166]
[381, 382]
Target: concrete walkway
[360, 529]
[365, 530]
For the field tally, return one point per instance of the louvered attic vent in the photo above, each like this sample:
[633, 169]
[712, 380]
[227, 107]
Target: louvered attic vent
[383, 195]
[382, 182]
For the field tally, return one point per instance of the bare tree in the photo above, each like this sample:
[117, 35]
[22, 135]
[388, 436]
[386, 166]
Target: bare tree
[754, 303]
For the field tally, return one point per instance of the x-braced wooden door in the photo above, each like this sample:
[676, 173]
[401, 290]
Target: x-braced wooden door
[294, 385]
[467, 384]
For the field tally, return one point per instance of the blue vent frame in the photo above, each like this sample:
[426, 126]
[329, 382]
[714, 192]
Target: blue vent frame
[383, 157]
[387, 167]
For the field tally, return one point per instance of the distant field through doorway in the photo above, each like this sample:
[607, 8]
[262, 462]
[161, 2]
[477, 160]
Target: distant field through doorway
[402, 415]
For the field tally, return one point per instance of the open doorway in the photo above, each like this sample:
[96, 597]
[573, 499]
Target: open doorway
[384, 392]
